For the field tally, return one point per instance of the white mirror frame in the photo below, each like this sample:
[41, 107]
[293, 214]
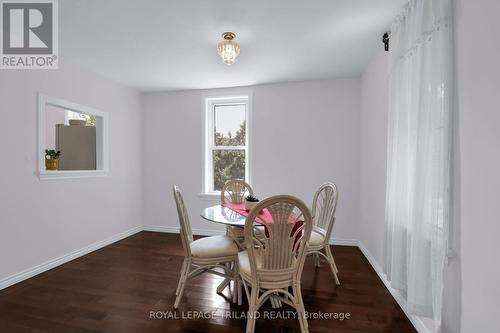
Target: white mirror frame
[101, 140]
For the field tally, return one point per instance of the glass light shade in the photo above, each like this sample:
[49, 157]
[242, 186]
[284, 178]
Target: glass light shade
[228, 50]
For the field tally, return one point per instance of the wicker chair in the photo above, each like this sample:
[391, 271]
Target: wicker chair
[204, 254]
[270, 267]
[235, 190]
[323, 211]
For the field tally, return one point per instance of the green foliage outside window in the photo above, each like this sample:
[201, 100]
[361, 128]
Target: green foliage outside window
[237, 140]
[90, 120]
[229, 163]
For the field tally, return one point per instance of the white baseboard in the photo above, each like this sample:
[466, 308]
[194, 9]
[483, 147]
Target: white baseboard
[212, 232]
[30, 272]
[175, 230]
[343, 241]
[415, 320]
[161, 228]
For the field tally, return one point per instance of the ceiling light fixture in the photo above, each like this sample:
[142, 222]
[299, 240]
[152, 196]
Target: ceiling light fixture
[228, 49]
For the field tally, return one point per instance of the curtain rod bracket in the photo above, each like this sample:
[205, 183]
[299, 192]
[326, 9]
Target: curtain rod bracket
[385, 40]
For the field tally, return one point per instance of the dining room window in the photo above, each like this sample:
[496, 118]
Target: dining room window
[226, 141]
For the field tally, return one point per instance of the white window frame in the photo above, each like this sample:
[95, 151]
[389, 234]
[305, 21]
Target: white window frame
[208, 106]
[102, 167]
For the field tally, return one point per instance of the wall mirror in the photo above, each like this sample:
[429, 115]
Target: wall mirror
[72, 139]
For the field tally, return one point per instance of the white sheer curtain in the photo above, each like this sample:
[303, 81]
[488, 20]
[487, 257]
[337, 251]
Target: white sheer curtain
[419, 148]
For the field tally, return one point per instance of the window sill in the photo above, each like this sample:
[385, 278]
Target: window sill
[70, 174]
[214, 196]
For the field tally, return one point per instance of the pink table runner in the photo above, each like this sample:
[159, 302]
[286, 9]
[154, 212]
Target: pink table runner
[239, 207]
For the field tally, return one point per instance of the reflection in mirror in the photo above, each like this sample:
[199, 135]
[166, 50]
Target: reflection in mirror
[73, 134]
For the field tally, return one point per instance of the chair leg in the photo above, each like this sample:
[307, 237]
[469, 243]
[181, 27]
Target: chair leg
[299, 306]
[235, 282]
[331, 262]
[239, 290]
[180, 279]
[316, 260]
[182, 283]
[335, 266]
[226, 281]
[252, 309]
[286, 295]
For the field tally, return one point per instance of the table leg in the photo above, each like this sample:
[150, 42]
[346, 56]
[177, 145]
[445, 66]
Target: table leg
[223, 285]
[275, 302]
[226, 282]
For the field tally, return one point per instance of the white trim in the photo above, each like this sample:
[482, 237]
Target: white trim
[214, 196]
[175, 230]
[38, 269]
[344, 241]
[70, 174]
[161, 228]
[415, 320]
[213, 232]
[207, 100]
[102, 139]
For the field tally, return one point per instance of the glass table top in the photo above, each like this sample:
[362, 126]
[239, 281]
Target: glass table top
[224, 215]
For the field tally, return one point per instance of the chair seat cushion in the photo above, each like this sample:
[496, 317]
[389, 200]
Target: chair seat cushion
[244, 263]
[316, 239]
[214, 246]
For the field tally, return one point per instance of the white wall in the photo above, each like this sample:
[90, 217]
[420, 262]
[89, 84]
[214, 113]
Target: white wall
[42, 220]
[303, 134]
[373, 159]
[478, 152]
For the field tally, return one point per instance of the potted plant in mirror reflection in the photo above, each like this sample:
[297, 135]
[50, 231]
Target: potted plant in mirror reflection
[250, 202]
[52, 159]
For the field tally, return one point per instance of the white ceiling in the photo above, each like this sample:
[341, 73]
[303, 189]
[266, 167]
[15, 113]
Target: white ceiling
[171, 45]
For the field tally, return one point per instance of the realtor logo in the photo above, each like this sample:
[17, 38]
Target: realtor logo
[29, 38]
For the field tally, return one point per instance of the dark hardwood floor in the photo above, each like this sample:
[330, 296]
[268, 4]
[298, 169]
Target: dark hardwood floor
[115, 289]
